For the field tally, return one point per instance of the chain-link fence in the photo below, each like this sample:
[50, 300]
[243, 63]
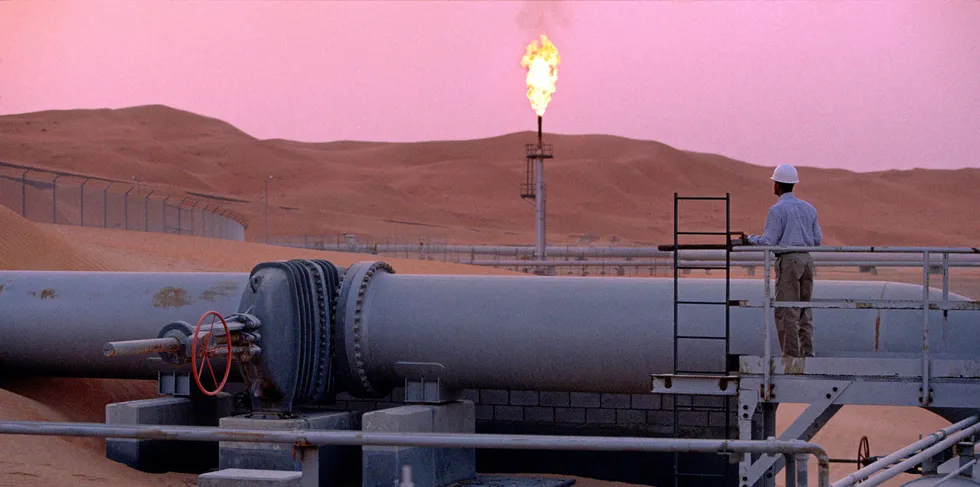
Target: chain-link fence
[73, 199]
[514, 258]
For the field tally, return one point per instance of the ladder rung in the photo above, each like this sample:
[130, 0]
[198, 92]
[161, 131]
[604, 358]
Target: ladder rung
[698, 337]
[713, 303]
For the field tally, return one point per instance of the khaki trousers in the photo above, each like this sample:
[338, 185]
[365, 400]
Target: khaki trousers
[794, 282]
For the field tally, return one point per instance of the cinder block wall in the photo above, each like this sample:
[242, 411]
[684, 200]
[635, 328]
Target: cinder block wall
[639, 414]
[574, 413]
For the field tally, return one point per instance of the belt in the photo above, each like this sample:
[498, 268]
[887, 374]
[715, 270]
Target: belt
[790, 253]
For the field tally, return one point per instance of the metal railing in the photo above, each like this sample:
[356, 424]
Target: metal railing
[307, 442]
[925, 304]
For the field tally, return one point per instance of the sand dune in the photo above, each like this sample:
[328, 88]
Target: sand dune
[26, 246]
[468, 191]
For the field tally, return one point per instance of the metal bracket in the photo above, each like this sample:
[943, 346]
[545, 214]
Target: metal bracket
[806, 426]
[697, 385]
[423, 384]
[174, 384]
[748, 402]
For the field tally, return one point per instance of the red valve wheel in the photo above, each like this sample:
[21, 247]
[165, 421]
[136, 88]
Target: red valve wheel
[864, 453]
[207, 349]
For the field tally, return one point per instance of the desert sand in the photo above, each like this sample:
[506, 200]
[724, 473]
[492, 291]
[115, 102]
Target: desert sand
[462, 192]
[468, 191]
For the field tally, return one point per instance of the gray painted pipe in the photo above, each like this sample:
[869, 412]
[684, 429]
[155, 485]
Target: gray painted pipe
[599, 334]
[509, 332]
[56, 323]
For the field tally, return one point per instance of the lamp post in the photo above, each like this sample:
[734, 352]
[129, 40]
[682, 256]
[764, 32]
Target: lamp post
[267, 208]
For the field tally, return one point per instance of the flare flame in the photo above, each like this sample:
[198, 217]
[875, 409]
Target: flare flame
[541, 61]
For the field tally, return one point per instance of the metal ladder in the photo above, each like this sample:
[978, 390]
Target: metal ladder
[703, 376]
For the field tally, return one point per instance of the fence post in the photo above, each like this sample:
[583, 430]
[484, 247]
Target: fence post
[54, 200]
[105, 205]
[146, 211]
[81, 203]
[23, 194]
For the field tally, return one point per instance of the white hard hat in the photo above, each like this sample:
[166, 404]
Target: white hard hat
[785, 173]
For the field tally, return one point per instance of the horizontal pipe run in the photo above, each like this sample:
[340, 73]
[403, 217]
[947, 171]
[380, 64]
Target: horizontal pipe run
[669, 263]
[854, 478]
[867, 304]
[851, 249]
[920, 457]
[431, 440]
[141, 347]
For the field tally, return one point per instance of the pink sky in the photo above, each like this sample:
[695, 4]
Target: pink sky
[856, 85]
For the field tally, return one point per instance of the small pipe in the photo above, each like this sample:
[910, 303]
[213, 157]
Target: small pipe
[430, 440]
[920, 457]
[883, 462]
[956, 472]
[924, 397]
[141, 347]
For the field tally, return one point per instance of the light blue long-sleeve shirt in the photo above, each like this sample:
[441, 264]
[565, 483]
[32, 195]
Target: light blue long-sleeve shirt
[791, 222]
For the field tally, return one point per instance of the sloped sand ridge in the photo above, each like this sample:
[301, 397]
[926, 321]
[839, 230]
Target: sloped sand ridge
[26, 246]
[610, 188]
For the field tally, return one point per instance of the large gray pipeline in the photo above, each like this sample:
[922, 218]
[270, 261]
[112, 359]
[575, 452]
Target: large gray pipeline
[597, 334]
[520, 332]
[55, 323]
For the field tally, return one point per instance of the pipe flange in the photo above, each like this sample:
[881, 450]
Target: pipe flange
[181, 330]
[360, 275]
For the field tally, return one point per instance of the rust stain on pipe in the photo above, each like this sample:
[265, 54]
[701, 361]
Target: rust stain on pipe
[877, 330]
[222, 290]
[171, 297]
[48, 294]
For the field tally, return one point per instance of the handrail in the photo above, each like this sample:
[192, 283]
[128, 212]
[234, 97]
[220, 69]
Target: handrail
[925, 304]
[306, 439]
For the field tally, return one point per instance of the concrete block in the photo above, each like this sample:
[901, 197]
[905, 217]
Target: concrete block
[470, 395]
[645, 401]
[692, 418]
[337, 463]
[157, 456]
[718, 419]
[539, 414]
[615, 401]
[484, 413]
[667, 401]
[508, 413]
[570, 415]
[600, 416]
[631, 416]
[494, 397]
[431, 467]
[585, 400]
[523, 398]
[554, 399]
[660, 418]
[238, 477]
[708, 401]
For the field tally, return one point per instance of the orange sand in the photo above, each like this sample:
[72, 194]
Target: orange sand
[468, 191]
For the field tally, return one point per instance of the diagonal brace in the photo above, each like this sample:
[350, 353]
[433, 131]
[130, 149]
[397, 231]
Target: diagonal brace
[804, 428]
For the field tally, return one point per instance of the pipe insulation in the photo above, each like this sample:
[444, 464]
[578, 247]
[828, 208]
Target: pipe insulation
[376, 327]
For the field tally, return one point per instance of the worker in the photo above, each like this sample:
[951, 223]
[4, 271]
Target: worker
[791, 222]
